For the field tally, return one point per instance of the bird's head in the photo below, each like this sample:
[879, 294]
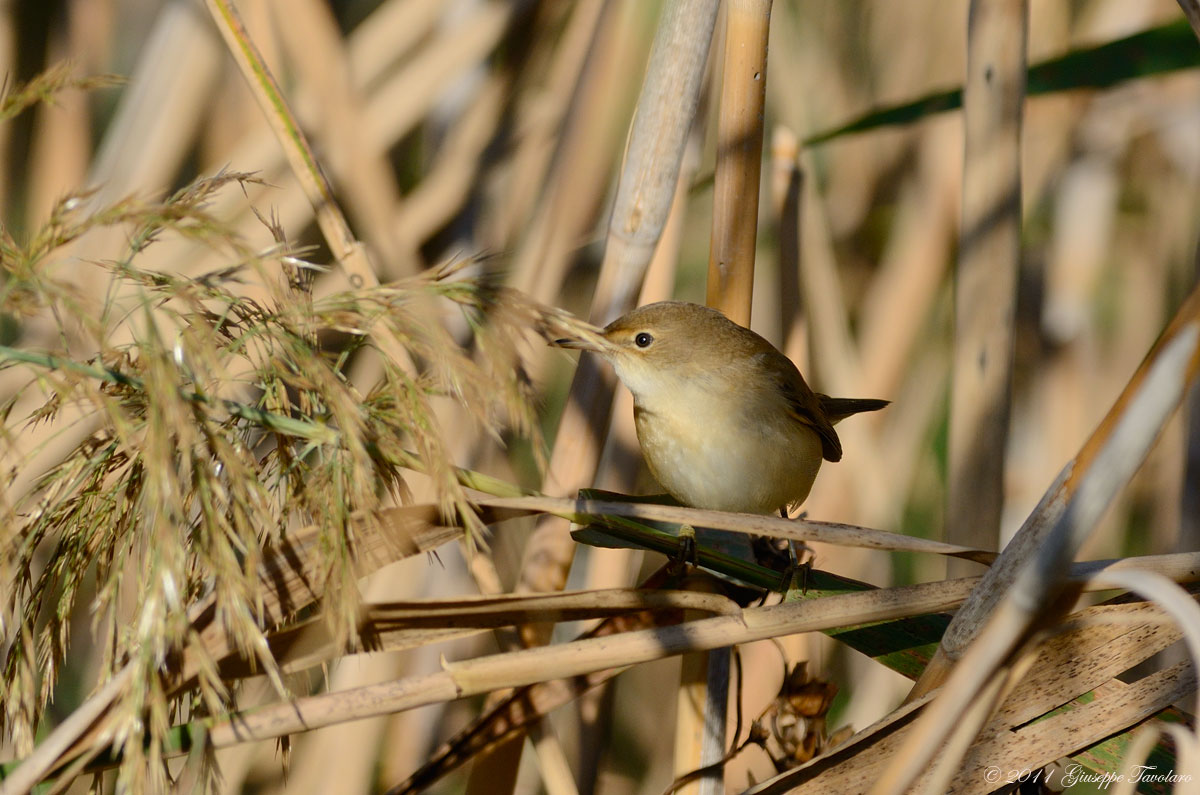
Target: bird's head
[659, 346]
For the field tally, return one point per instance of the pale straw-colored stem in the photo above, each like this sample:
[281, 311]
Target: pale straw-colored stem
[319, 57]
[986, 282]
[704, 685]
[664, 114]
[739, 159]
[349, 252]
[485, 674]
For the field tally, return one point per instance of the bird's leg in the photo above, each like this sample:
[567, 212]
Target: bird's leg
[776, 554]
[771, 552]
[801, 562]
[687, 545]
[803, 565]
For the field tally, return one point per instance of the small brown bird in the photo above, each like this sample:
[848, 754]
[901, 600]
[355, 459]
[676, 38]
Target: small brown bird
[725, 420]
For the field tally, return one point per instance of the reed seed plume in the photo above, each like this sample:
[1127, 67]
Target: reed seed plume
[214, 414]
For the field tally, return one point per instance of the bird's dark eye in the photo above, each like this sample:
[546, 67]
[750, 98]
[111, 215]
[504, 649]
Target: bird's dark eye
[643, 340]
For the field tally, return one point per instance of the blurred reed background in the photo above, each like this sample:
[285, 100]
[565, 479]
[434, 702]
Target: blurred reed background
[496, 127]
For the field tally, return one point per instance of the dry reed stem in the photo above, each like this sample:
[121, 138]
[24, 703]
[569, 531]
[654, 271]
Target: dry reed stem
[318, 56]
[581, 511]
[912, 270]
[363, 549]
[582, 657]
[704, 679]
[155, 122]
[529, 704]
[389, 619]
[62, 140]
[1116, 708]
[658, 133]
[395, 104]
[485, 674]
[411, 735]
[861, 174]
[1068, 399]
[1177, 603]
[739, 159]
[291, 572]
[549, 121]
[453, 173]
[8, 57]
[400, 102]
[1033, 534]
[576, 182]
[786, 187]
[834, 361]
[913, 416]
[696, 728]
[986, 276]
[342, 758]
[701, 701]
[1095, 645]
[580, 172]
[644, 194]
[160, 111]
[552, 762]
[389, 34]
[350, 253]
[620, 460]
[51, 751]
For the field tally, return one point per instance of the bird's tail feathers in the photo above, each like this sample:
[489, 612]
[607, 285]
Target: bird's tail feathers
[837, 409]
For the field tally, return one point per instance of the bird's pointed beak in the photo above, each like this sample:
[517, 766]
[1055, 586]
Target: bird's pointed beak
[579, 344]
[584, 337]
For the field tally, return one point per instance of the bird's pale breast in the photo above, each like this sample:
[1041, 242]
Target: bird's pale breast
[709, 457]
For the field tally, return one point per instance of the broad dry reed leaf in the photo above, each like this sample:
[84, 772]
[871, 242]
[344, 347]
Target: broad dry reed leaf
[1176, 602]
[1067, 667]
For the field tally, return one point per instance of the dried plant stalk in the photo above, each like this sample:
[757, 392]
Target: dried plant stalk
[500, 121]
[986, 281]
[644, 196]
[349, 252]
[514, 669]
[739, 159]
[312, 41]
[704, 681]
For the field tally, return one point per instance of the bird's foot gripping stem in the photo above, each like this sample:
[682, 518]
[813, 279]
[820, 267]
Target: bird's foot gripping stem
[792, 559]
[687, 554]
